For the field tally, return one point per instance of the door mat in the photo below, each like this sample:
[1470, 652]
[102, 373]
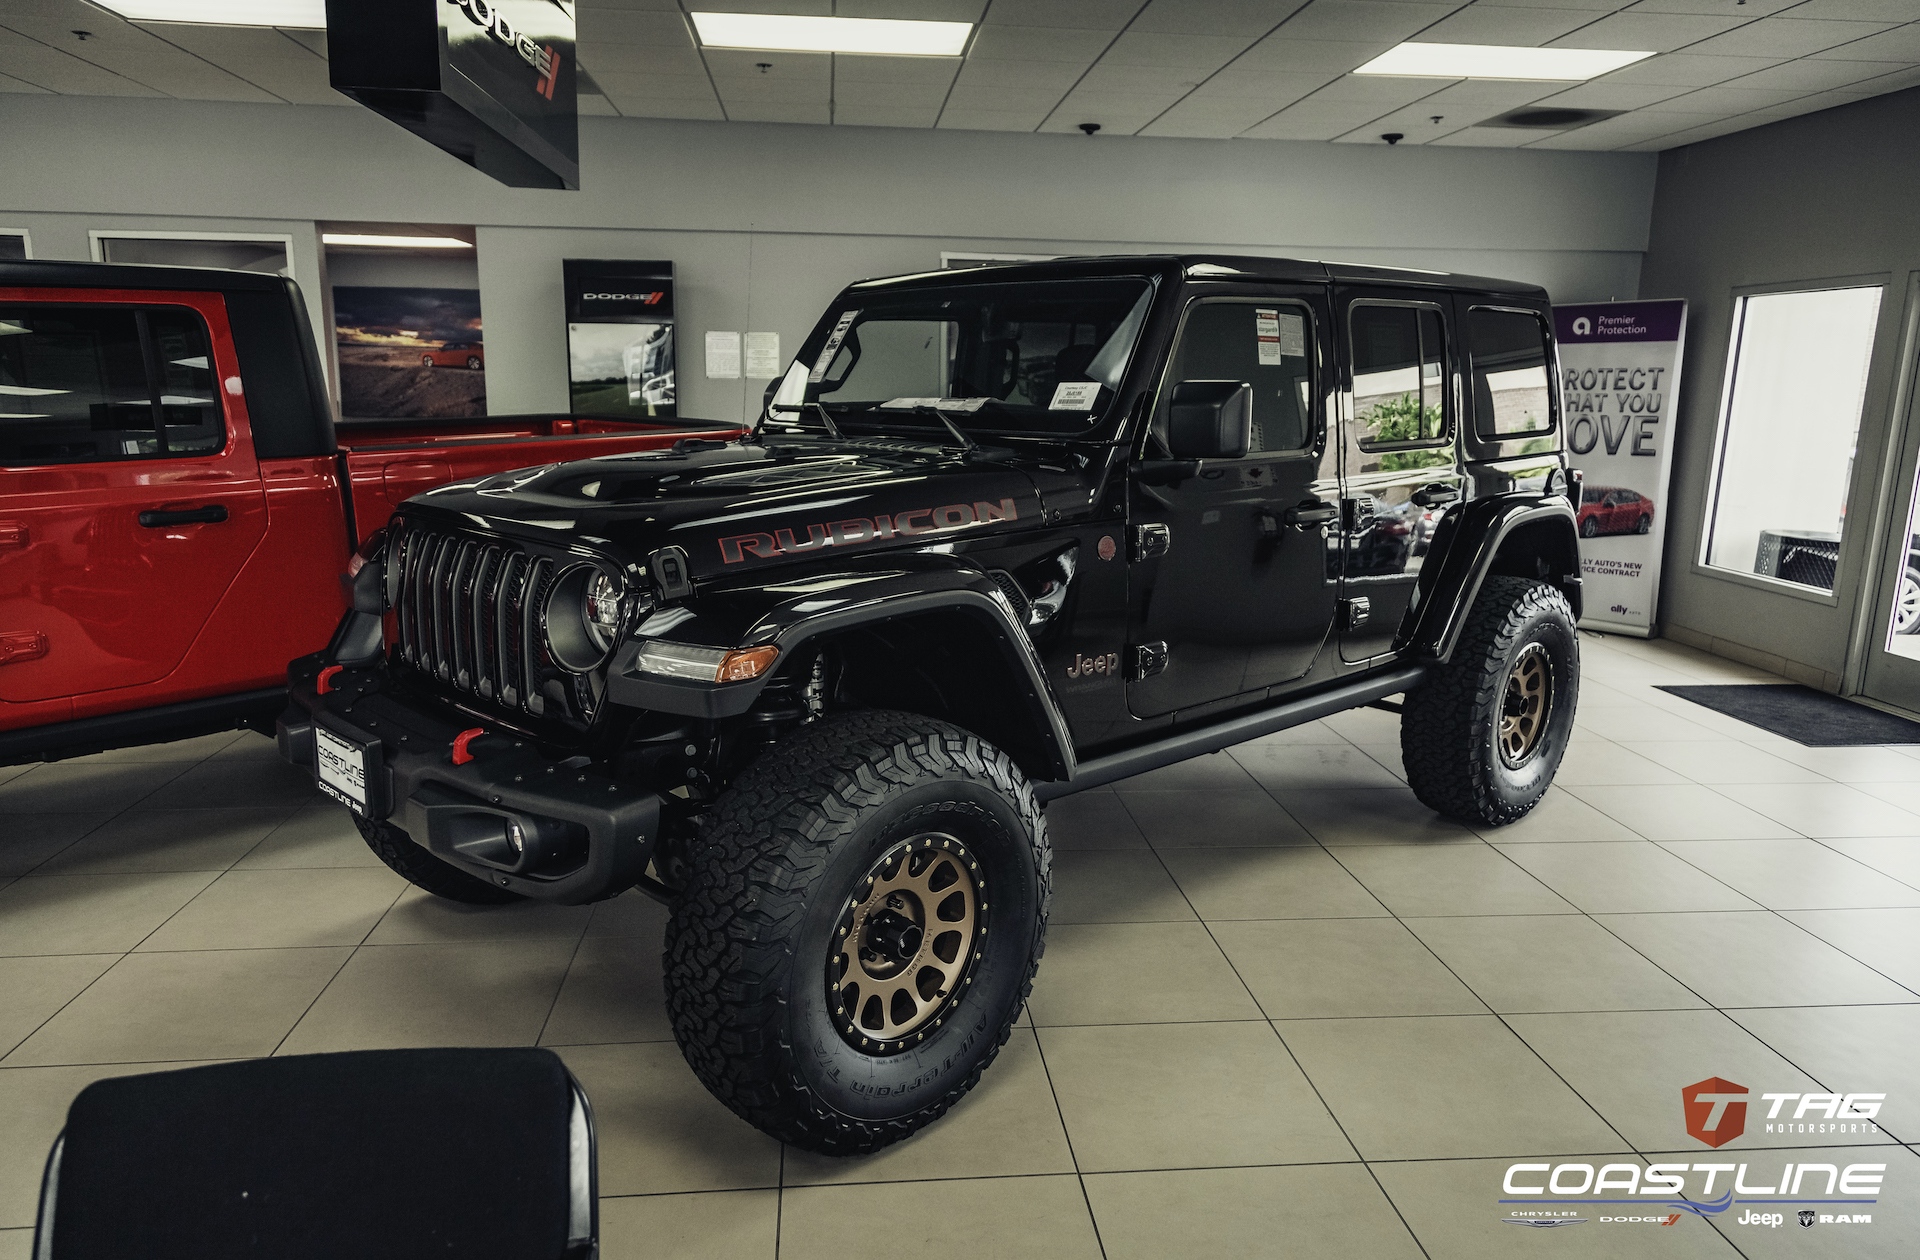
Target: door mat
[1803, 715]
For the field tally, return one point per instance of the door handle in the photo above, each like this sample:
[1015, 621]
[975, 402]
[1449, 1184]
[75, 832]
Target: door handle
[1311, 515]
[1435, 495]
[14, 535]
[212, 514]
[22, 645]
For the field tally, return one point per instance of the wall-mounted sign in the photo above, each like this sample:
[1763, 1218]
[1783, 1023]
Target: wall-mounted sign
[490, 81]
[620, 337]
[1619, 377]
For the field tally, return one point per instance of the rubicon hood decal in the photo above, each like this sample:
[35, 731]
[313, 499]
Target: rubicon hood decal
[946, 519]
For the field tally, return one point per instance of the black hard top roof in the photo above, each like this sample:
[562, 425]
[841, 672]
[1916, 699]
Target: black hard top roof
[1208, 266]
[51, 274]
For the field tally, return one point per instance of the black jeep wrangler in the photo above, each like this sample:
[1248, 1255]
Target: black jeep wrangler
[999, 535]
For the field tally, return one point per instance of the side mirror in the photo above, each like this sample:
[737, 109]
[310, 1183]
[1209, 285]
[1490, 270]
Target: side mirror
[1210, 420]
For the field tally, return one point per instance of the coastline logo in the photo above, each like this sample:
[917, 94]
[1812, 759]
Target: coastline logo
[1582, 326]
[1716, 1110]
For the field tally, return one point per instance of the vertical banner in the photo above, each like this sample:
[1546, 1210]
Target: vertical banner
[1619, 379]
[620, 352]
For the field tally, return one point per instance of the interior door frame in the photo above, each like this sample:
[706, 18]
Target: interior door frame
[1892, 505]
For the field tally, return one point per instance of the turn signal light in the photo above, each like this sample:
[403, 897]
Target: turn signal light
[746, 663]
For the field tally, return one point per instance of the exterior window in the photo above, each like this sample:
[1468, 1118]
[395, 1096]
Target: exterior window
[1509, 354]
[81, 384]
[1269, 345]
[1796, 380]
[1399, 381]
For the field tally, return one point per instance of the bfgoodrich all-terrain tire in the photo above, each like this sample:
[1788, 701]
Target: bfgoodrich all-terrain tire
[865, 910]
[423, 870]
[1482, 737]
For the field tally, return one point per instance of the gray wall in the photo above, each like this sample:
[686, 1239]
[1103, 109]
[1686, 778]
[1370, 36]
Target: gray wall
[1832, 195]
[765, 222]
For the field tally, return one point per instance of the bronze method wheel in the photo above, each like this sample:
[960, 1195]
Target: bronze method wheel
[1526, 705]
[906, 942]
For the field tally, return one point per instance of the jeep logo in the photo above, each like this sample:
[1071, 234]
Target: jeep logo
[1087, 666]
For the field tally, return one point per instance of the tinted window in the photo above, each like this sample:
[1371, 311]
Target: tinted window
[80, 384]
[1509, 354]
[1399, 378]
[1269, 345]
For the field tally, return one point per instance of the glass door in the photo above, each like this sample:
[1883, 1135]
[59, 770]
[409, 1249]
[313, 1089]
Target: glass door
[1892, 674]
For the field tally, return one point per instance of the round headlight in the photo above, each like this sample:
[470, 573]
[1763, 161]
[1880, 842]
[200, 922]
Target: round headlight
[600, 609]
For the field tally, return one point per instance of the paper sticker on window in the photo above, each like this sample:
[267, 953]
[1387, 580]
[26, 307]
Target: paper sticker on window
[838, 335]
[1266, 332]
[1293, 336]
[1074, 396]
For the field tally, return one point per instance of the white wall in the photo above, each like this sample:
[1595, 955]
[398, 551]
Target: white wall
[765, 222]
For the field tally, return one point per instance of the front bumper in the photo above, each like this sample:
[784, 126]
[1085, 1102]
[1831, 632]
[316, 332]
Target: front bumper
[587, 835]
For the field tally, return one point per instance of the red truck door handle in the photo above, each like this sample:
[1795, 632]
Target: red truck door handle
[22, 645]
[212, 514]
[13, 536]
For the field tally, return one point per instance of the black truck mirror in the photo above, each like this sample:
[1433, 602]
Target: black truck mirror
[1210, 420]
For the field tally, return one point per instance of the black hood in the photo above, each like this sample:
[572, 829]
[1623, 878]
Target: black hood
[748, 505]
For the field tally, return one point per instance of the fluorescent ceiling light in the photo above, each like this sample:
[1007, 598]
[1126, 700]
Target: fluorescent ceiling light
[393, 242]
[1498, 61]
[873, 36]
[302, 14]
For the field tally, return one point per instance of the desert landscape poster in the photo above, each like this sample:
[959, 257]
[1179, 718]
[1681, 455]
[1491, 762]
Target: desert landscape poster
[407, 353]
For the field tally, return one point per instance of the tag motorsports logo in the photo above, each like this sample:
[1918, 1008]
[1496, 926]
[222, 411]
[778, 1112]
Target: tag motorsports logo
[1715, 1112]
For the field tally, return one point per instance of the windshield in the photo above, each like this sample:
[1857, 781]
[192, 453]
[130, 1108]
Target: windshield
[1042, 357]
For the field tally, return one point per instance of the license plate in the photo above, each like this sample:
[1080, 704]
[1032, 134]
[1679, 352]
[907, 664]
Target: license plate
[341, 768]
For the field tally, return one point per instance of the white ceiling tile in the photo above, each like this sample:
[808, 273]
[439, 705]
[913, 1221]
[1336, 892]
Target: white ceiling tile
[1648, 32]
[1028, 75]
[1724, 99]
[594, 105]
[1281, 52]
[1121, 80]
[607, 26]
[1096, 104]
[1817, 76]
[911, 10]
[1312, 119]
[1245, 18]
[1613, 95]
[1688, 70]
[633, 59]
[804, 8]
[1860, 10]
[1895, 82]
[990, 119]
[1504, 93]
[780, 112]
[1695, 135]
[809, 67]
[880, 95]
[10, 84]
[1243, 112]
[1281, 87]
[297, 82]
[1504, 24]
[1786, 37]
[1004, 98]
[1388, 93]
[892, 114]
[786, 91]
[57, 72]
[1190, 127]
[1038, 43]
[913, 72]
[663, 5]
[1358, 20]
[1193, 52]
[313, 41]
[619, 88]
[227, 46]
[1482, 138]
[667, 107]
[1902, 43]
[1746, 10]
[1635, 127]
[1584, 6]
[1098, 15]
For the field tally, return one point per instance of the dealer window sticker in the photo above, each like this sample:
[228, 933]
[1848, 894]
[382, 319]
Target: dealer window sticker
[1266, 334]
[834, 338]
[1074, 396]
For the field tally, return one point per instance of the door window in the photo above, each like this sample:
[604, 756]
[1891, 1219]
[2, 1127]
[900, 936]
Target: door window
[1399, 378]
[83, 384]
[1267, 344]
[1508, 350]
[1797, 377]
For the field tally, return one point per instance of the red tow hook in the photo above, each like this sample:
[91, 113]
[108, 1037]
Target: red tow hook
[324, 684]
[461, 753]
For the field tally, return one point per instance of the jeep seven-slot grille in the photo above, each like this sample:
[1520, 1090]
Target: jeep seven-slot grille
[469, 614]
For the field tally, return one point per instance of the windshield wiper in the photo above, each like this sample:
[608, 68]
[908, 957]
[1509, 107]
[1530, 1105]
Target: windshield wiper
[959, 435]
[767, 414]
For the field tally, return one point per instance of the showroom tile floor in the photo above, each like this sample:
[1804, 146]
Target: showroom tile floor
[1284, 1010]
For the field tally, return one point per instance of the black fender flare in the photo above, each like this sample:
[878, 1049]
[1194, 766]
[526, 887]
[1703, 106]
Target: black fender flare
[790, 609]
[1464, 551]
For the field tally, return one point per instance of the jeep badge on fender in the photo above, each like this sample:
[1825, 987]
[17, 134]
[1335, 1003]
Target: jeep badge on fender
[810, 688]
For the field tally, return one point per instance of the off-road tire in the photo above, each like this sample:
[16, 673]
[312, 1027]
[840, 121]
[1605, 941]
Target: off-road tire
[1644, 526]
[784, 852]
[1450, 726]
[1589, 528]
[423, 870]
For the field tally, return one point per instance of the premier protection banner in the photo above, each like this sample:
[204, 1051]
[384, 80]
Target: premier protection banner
[1619, 379]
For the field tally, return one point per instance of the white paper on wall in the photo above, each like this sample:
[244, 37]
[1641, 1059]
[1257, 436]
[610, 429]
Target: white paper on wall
[763, 355]
[723, 356]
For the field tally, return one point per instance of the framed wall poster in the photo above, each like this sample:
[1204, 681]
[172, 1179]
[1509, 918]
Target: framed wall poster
[1620, 375]
[409, 353]
[621, 355]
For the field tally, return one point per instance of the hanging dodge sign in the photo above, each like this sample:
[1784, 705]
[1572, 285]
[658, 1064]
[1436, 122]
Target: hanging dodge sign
[490, 81]
[1619, 377]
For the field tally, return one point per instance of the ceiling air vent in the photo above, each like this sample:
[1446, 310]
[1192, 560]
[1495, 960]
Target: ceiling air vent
[1546, 118]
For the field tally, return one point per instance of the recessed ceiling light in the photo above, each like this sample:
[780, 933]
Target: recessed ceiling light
[301, 14]
[779, 32]
[1498, 61]
[393, 242]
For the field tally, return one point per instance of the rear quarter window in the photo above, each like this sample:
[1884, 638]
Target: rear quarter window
[1512, 395]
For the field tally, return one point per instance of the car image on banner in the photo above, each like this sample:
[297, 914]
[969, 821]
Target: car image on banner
[457, 354]
[1619, 379]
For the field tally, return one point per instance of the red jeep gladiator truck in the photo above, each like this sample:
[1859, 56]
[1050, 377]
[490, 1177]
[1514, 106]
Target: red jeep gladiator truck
[176, 504]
